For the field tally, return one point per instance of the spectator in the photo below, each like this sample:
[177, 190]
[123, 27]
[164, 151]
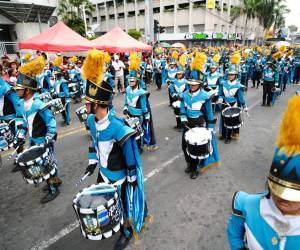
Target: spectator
[119, 74]
[12, 73]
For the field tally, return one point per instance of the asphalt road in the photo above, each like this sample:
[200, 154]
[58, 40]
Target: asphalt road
[188, 214]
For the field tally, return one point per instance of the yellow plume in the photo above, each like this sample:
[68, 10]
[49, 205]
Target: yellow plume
[216, 58]
[27, 56]
[34, 67]
[182, 60]
[134, 61]
[277, 55]
[289, 134]
[175, 54]
[74, 59]
[282, 48]
[199, 61]
[107, 57]
[259, 49]
[245, 55]
[236, 59]
[58, 61]
[93, 66]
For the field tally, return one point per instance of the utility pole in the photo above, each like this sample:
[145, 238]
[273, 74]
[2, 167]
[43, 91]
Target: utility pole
[149, 21]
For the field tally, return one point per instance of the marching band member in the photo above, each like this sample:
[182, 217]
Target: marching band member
[271, 219]
[231, 93]
[179, 86]
[171, 76]
[38, 121]
[62, 91]
[196, 111]
[114, 150]
[269, 74]
[136, 104]
[158, 71]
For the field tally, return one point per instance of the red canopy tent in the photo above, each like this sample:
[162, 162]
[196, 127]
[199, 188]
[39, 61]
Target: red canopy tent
[117, 41]
[57, 38]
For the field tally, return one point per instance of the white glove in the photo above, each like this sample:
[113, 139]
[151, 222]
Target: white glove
[246, 109]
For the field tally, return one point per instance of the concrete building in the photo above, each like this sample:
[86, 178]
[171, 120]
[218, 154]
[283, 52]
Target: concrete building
[22, 19]
[187, 21]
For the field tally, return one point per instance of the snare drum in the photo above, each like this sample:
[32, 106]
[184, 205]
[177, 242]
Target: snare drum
[134, 123]
[176, 106]
[99, 211]
[232, 117]
[6, 137]
[73, 88]
[57, 106]
[82, 115]
[198, 143]
[36, 164]
[46, 97]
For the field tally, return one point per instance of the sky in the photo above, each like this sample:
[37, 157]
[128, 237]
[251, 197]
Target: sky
[294, 16]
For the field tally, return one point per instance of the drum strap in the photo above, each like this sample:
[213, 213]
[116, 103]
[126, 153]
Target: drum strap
[117, 183]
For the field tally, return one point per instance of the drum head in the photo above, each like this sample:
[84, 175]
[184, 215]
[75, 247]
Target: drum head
[198, 136]
[231, 111]
[32, 154]
[95, 196]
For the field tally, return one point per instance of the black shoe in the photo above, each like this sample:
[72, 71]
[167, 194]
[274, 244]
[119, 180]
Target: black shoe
[252, 87]
[194, 174]
[50, 196]
[262, 104]
[122, 242]
[188, 169]
[227, 141]
[257, 87]
[16, 168]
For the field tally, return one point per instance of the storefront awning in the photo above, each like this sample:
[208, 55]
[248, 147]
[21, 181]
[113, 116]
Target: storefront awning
[22, 12]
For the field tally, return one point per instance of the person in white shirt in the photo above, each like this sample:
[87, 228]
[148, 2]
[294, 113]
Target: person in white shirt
[119, 74]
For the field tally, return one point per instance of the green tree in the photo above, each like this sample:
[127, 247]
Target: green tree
[135, 34]
[247, 8]
[271, 13]
[70, 11]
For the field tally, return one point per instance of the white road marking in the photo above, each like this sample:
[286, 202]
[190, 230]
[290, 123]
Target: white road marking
[40, 245]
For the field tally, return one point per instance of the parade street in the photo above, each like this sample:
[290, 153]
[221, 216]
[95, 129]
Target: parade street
[188, 214]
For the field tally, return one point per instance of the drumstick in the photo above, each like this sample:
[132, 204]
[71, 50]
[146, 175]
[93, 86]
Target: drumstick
[13, 153]
[82, 178]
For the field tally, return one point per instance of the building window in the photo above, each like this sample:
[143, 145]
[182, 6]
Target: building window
[130, 1]
[131, 13]
[183, 6]
[183, 28]
[103, 18]
[225, 7]
[199, 4]
[142, 31]
[141, 12]
[169, 29]
[87, 20]
[218, 7]
[169, 8]
[121, 15]
[112, 16]
[198, 27]
[223, 28]
[119, 2]
[156, 10]
[94, 19]
[110, 4]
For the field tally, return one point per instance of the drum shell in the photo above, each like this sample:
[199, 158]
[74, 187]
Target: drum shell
[196, 150]
[6, 135]
[37, 164]
[101, 222]
[82, 114]
[232, 121]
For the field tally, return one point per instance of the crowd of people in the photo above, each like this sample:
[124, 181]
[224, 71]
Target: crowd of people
[201, 83]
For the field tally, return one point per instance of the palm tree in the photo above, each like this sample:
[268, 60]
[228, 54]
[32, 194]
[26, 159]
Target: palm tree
[247, 8]
[271, 13]
[71, 13]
